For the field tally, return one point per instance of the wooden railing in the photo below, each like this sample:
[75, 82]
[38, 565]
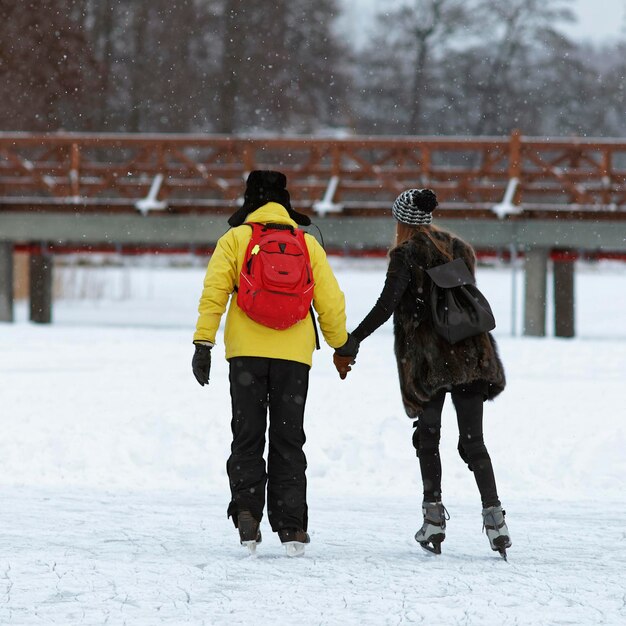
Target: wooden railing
[473, 176]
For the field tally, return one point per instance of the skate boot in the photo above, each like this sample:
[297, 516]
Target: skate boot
[294, 540]
[249, 533]
[433, 530]
[497, 531]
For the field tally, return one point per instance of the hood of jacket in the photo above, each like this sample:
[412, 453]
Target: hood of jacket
[271, 213]
[244, 215]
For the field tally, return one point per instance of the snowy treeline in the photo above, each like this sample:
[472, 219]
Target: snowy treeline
[291, 66]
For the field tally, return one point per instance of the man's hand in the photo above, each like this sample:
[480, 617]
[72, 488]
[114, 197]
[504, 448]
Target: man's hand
[201, 363]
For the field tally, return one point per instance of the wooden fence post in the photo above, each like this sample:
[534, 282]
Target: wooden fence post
[41, 287]
[564, 294]
[6, 281]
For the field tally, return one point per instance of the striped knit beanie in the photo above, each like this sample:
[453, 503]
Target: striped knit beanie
[415, 206]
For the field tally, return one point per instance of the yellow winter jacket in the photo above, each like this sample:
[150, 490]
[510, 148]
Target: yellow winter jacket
[245, 337]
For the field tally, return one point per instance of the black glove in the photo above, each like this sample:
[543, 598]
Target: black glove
[201, 363]
[350, 348]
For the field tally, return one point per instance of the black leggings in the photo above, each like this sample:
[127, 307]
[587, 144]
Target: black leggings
[468, 404]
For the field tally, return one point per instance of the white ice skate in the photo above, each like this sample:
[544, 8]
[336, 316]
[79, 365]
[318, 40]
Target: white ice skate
[294, 540]
[249, 533]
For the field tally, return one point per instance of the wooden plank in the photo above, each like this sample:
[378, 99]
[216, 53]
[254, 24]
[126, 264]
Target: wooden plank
[6, 281]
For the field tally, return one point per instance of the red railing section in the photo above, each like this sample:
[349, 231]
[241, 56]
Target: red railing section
[561, 178]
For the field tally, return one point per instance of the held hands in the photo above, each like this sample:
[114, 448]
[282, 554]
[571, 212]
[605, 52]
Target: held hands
[201, 363]
[343, 364]
[345, 356]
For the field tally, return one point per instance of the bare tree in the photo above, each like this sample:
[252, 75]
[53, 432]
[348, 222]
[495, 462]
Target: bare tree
[278, 65]
[519, 29]
[233, 15]
[404, 58]
[46, 62]
[156, 61]
[434, 22]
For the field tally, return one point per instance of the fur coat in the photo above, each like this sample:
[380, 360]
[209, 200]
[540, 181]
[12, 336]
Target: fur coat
[427, 363]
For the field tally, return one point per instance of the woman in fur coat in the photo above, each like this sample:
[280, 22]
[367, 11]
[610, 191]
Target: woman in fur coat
[429, 367]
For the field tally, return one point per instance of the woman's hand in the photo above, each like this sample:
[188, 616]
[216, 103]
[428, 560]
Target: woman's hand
[345, 356]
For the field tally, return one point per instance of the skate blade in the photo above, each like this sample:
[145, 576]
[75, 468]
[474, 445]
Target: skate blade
[431, 547]
[294, 548]
[500, 546]
[251, 545]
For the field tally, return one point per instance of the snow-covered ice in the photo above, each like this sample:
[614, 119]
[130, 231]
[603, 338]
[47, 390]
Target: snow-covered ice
[114, 488]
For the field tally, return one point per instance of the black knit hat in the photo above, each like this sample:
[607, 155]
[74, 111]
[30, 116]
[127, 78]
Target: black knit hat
[263, 186]
[415, 206]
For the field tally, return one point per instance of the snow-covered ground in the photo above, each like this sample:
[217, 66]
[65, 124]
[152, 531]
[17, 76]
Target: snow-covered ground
[112, 466]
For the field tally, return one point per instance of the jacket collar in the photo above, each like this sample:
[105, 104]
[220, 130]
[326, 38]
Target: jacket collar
[271, 213]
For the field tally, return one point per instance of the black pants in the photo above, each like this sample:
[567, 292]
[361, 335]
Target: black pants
[468, 403]
[257, 384]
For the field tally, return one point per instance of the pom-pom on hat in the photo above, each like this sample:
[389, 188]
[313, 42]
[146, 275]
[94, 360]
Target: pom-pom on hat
[415, 206]
[263, 186]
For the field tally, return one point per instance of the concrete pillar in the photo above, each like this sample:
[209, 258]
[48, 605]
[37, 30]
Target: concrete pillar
[536, 279]
[6, 281]
[564, 295]
[41, 288]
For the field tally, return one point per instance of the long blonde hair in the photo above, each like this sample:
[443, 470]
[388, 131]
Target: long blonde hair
[404, 232]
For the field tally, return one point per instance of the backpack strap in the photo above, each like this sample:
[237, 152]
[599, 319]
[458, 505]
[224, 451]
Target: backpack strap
[317, 335]
[259, 227]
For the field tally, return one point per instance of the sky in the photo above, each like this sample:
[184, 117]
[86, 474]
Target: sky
[598, 20]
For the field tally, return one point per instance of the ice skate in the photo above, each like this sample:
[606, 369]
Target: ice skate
[294, 540]
[496, 528]
[433, 531]
[249, 533]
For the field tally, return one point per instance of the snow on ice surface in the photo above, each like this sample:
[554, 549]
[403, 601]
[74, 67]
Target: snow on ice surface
[113, 465]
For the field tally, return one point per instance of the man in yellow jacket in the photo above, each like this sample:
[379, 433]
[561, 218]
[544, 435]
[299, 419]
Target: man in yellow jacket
[269, 368]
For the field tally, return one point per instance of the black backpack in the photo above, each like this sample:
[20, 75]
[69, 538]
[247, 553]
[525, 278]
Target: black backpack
[459, 310]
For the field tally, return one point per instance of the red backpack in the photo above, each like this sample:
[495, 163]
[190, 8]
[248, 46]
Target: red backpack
[276, 281]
